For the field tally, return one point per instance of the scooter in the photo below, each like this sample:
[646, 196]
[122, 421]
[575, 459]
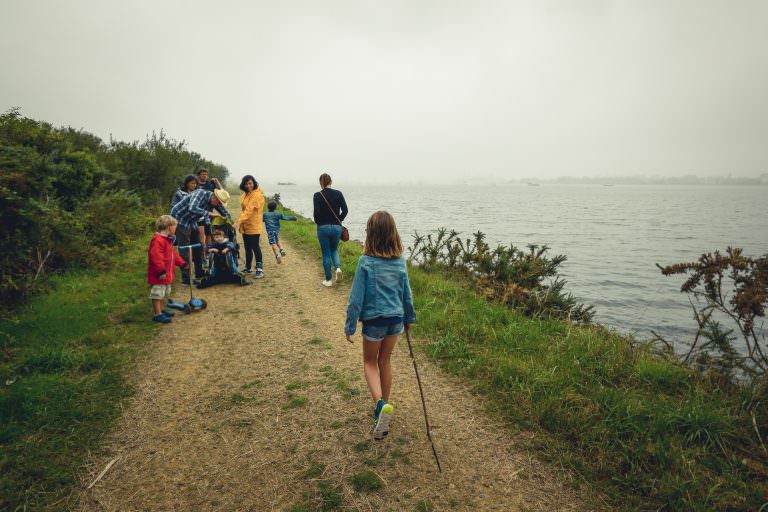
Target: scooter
[194, 303]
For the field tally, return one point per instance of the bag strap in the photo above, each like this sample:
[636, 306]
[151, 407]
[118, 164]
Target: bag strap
[330, 207]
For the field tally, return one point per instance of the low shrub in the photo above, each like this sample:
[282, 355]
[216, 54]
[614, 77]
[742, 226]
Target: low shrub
[526, 280]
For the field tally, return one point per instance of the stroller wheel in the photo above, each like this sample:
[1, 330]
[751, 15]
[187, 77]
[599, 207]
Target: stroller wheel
[187, 309]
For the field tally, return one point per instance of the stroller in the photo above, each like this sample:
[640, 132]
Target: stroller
[225, 224]
[222, 268]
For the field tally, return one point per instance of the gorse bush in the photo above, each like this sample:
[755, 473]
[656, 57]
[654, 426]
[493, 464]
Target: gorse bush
[67, 198]
[526, 280]
[733, 288]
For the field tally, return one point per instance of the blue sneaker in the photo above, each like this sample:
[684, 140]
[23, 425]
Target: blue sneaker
[383, 417]
[168, 313]
[161, 318]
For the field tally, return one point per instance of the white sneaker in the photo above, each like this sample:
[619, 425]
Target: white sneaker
[339, 275]
[327, 283]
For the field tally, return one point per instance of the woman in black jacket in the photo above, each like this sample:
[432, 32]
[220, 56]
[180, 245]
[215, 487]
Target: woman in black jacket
[329, 211]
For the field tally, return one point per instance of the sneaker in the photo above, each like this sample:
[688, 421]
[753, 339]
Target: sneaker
[246, 271]
[282, 252]
[259, 274]
[377, 409]
[278, 258]
[382, 421]
[327, 283]
[168, 313]
[161, 318]
[339, 275]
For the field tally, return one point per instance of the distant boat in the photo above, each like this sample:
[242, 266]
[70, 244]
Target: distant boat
[607, 184]
[285, 183]
[533, 184]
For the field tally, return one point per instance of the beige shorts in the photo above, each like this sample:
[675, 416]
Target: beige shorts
[160, 291]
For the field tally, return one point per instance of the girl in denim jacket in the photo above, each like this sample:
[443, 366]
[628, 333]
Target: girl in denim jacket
[380, 298]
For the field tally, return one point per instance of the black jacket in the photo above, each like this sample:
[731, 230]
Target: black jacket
[322, 214]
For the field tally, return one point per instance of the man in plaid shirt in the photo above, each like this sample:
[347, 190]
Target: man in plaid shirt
[194, 209]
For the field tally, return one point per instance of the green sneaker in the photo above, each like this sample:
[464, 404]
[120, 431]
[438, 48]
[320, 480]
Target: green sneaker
[382, 421]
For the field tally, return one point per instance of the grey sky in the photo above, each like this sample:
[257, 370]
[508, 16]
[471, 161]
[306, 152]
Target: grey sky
[406, 90]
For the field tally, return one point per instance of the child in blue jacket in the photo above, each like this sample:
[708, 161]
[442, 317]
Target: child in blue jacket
[380, 298]
[272, 225]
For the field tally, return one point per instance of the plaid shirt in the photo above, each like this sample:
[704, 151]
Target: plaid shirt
[193, 209]
[206, 221]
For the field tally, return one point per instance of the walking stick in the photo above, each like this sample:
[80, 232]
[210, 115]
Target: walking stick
[423, 403]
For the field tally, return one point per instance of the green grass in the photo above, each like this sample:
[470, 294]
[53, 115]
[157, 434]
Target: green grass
[362, 446]
[319, 342]
[314, 471]
[644, 431]
[295, 402]
[296, 384]
[424, 506]
[366, 481]
[63, 358]
[340, 382]
[328, 496]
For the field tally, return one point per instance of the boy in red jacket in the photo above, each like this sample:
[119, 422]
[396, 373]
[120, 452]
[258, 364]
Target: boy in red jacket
[162, 258]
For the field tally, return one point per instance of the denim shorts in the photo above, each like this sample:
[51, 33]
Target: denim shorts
[273, 237]
[377, 332]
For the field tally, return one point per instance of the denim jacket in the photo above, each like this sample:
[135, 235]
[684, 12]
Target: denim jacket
[272, 220]
[380, 289]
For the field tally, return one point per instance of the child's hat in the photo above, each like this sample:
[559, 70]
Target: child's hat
[222, 195]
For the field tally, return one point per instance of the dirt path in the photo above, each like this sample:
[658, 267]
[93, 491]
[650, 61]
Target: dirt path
[259, 403]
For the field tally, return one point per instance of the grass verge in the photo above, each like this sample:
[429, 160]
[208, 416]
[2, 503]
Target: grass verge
[645, 432]
[62, 365]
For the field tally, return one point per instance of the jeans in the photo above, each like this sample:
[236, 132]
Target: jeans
[188, 236]
[328, 235]
[252, 248]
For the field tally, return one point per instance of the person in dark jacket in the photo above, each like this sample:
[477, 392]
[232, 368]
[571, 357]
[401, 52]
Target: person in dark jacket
[330, 209]
[205, 183]
[190, 185]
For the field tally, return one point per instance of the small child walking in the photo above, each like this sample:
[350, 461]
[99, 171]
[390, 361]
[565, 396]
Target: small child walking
[381, 298]
[162, 257]
[272, 224]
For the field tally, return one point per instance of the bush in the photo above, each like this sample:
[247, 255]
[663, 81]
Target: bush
[526, 280]
[733, 288]
[111, 218]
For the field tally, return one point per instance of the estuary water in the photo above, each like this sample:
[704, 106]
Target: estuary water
[612, 235]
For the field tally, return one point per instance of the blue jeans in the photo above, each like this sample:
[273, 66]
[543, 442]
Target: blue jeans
[328, 235]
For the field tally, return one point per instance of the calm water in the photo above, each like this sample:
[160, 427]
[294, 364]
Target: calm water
[612, 236]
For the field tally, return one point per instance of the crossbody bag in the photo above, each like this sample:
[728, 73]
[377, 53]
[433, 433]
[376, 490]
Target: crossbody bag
[344, 231]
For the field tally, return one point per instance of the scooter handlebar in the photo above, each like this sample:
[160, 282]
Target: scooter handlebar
[192, 246]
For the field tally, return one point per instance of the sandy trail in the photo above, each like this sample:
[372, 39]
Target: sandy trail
[259, 403]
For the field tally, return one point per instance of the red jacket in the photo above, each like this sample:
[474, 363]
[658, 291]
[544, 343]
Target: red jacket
[162, 257]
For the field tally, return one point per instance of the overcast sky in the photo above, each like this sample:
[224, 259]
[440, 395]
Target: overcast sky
[406, 90]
